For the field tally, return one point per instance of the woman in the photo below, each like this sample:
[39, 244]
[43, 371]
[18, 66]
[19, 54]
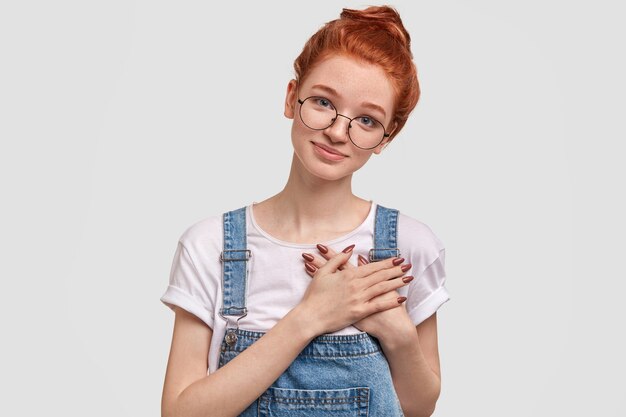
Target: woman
[291, 327]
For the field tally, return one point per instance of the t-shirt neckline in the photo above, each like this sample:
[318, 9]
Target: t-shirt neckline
[252, 220]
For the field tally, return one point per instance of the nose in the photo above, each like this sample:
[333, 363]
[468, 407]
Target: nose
[338, 131]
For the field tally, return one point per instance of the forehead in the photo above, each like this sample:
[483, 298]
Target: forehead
[353, 79]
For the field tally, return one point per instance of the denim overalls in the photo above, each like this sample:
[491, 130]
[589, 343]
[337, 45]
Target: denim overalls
[334, 375]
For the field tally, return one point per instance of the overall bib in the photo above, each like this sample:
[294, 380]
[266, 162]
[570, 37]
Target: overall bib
[334, 375]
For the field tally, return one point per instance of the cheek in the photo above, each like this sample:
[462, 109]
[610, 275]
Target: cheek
[300, 133]
[361, 158]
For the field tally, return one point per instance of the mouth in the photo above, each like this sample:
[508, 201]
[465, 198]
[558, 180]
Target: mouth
[328, 150]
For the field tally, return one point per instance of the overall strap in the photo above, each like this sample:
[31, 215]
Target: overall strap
[385, 234]
[234, 258]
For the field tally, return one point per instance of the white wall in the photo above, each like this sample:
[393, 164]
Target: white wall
[119, 121]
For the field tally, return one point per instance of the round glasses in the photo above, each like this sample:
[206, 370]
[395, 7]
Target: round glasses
[318, 113]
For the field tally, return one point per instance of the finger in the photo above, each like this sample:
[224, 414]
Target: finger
[328, 253]
[390, 274]
[336, 261]
[310, 269]
[384, 303]
[388, 296]
[385, 286]
[373, 267]
[312, 263]
[314, 260]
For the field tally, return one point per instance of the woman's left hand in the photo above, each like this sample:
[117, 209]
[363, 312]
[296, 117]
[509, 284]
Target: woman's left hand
[387, 322]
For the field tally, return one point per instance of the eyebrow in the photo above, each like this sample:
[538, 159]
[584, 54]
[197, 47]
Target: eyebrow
[365, 104]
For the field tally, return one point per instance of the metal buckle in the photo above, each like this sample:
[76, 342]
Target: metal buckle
[231, 334]
[371, 253]
[247, 251]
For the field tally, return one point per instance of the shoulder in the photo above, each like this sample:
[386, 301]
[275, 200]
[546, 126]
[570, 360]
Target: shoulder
[204, 235]
[202, 229]
[418, 241]
[417, 232]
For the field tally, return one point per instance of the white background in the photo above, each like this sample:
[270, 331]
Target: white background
[120, 122]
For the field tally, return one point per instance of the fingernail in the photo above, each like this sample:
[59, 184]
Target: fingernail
[310, 267]
[322, 248]
[398, 261]
[362, 259]
[406, 267]
[401, 300]
[407, 279]
[308, 257]
[348, 249]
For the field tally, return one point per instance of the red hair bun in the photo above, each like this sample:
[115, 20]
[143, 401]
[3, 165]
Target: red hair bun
[376, 35]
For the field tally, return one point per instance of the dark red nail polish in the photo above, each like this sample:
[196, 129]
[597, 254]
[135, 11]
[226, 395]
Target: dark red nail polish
[406, 267]
[322, 248]
[310, 267]
[397, 261]
[348, 249]
[308, 257]
[407, 279]
[362, 259]
[401, 300]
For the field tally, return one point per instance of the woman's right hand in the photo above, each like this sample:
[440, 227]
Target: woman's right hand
[337, 298]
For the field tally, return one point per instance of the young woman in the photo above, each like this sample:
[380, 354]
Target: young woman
[316, 302]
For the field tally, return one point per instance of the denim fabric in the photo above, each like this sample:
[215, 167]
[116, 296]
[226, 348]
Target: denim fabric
[385, 234]
[234, 269]
[334, 375]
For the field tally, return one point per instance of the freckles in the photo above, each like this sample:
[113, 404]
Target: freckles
[298, 136]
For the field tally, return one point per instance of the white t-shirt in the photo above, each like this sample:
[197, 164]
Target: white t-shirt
[277, 278]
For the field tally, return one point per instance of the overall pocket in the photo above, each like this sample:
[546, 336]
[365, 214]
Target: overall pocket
[288, 402]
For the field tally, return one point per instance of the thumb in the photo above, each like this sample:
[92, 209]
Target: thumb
[337, 260]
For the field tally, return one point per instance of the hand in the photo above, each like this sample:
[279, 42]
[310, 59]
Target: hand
[385, 295]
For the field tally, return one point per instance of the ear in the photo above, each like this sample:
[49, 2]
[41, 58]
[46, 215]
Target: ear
[290, 99]
[383, 144]
[386, 141]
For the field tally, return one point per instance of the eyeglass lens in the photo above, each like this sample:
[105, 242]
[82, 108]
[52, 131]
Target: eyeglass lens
[319, 113]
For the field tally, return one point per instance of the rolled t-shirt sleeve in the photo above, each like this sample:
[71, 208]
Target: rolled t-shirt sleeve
[187, 289]
[427, 291]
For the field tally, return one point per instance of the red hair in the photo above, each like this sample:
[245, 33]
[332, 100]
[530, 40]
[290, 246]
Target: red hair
[377, 36]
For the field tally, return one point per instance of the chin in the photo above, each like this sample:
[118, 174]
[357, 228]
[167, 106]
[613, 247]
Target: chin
[328, 172]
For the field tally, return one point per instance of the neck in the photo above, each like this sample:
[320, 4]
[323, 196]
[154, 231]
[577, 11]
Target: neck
[309, 205]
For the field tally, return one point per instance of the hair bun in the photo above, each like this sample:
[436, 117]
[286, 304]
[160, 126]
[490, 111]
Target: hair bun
[374, 35]
[380, 17]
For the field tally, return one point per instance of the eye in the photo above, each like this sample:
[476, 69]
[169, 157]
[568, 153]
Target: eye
[366, 121]
[324, 102]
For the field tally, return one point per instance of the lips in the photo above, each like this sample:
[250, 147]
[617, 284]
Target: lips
[329, 149]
